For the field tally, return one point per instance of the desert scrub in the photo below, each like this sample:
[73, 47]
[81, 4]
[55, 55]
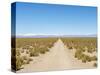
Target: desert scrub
[26, 61]
[24, 57]
[30, 59]
[27, 52]
[78, 54]
[85, 58]
[19, 63]
[88, 59]
[43, 50]
[22, 50]
[34, 46]
[90, 50]
[31, 47]
[70, 47]
[95, 64]
[82, 44]
[34, 52]
[50, 45]
[94, 58]
[18, 52]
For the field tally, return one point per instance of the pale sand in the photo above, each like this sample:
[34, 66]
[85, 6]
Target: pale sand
[58, 58]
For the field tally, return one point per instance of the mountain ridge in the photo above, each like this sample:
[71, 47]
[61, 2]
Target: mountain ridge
[47, 36]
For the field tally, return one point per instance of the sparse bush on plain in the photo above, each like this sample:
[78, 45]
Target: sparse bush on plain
[94, 58]
[34, 53]
[95, 64]
[70, 47]
[32, 47]
[36, 46]
[19, 63]
[82, 45]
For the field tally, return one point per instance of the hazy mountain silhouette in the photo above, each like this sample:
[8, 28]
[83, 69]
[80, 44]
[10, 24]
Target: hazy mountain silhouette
[46, 36]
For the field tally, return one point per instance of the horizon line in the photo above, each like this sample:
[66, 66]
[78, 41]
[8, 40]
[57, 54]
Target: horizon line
[51, 34]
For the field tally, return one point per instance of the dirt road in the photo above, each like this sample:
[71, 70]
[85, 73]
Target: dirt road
[58, 58]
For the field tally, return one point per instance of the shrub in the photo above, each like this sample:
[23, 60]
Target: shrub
[30, 59]
[27, 52]
[34, 53]
[90, 50]
[95, 64]
[17, 52]
[24, 57]
[50, 45]
[22, 51]
[94, 58]
[19, 63]
[43, 50]
[83, 60]
[27, 61]
[89, 59]
[70, 47]
[78, 54]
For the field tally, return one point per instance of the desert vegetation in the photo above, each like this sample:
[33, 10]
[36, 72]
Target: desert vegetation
[85, 49]
[28, 48]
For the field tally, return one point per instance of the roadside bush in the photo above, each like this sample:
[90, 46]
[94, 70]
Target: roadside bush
[95, 64]
[43, 50]
[30, 59]
[19, 63]
[86, 58]
[78, 54]
[24, 57]
[22, 51]
[17, 52]
[70, 47]
[94, 58]
[34, 53]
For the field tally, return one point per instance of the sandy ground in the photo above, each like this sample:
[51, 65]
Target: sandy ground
[58, 58]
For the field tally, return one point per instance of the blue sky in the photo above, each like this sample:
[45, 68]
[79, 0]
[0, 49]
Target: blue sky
[34, 18]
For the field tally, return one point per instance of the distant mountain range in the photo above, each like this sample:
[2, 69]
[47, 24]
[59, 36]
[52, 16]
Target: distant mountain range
[46, 36]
